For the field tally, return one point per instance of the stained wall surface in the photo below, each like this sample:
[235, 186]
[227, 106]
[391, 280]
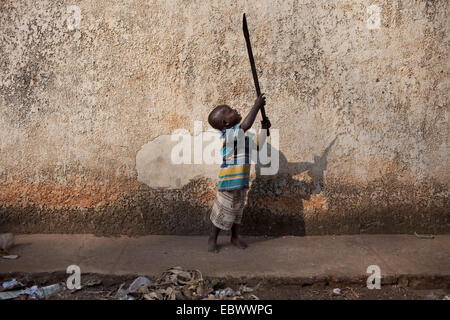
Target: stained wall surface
[91, 93]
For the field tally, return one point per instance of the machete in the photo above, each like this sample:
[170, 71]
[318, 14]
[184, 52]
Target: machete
[252, 64]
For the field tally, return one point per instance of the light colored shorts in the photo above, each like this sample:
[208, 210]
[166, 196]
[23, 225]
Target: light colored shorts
[228, 208]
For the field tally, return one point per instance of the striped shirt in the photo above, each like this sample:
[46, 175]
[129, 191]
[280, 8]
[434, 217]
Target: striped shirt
[234, 172]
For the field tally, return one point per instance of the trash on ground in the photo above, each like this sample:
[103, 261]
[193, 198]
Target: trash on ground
[139, 282]
[48, 291]
[173, 284]
[353, 291]
[9, 295]
[245, 289]
[179, 284]
[424, 236]
[93, 283]
[10, 257]
[337, 291]
[121, 293]
[10, 285]
[227, 292]
[32, 293]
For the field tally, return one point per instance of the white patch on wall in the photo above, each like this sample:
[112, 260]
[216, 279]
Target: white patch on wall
[74, 20]
[374, 20]
[156, 167]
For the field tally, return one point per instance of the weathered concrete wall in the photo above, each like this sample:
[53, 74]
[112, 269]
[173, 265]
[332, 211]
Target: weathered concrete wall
[362, 113]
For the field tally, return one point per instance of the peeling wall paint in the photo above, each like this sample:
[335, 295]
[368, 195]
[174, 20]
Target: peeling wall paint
[83, 106]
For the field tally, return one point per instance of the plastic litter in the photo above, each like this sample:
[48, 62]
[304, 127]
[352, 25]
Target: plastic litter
[33, 293]
[337, 291]
[227, 292]
[121, 293]
[424, 236]
[48, 291]
[10, 257]
[138, 283]
[9, 295]
[9, 285]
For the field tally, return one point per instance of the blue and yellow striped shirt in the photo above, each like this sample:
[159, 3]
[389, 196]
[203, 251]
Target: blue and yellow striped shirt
[234, 172]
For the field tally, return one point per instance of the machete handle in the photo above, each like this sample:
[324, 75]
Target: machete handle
[262, 123]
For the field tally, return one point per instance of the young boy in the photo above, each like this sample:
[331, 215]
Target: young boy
[234, 172]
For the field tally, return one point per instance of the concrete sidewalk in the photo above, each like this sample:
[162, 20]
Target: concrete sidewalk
[284, 257]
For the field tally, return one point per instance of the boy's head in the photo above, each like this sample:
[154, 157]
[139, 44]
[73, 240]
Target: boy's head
[223, 116]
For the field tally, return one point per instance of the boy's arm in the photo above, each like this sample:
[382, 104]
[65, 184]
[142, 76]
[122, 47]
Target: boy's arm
[250, 118]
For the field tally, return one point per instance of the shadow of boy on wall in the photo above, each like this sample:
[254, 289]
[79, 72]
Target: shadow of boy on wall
[275, 202]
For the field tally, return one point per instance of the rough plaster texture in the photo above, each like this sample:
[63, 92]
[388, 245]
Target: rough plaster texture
[362, 113]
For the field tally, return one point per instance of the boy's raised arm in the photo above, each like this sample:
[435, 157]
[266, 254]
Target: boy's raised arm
[251, 116]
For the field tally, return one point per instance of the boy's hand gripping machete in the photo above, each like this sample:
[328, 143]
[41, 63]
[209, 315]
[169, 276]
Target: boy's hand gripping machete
[252, 64]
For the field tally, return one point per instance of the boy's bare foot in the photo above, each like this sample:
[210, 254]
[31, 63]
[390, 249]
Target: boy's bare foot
[238, 242]
[212, 245]
[212, 241]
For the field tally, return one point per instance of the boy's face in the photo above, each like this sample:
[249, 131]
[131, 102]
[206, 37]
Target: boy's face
[231, 117]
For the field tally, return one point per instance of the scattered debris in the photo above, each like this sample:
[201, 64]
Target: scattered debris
[121, 294]
[10, 285]
[90, 283]
[9, 295]
[227, 292]
[337, 291]
[138, 283]
[51, 290]
[93, 283]
[245, 289]
[424, 236]
[105, 287]
[32, 293]
[29, 293]
[179, 284]
[353, 291]
[10, 257]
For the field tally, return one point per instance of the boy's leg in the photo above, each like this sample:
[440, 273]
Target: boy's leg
[235, 238]
[212, 241]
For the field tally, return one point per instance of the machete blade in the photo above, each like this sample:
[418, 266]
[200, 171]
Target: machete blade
[252, 65]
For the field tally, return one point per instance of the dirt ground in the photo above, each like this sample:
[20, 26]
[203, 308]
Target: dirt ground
[104, 287]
